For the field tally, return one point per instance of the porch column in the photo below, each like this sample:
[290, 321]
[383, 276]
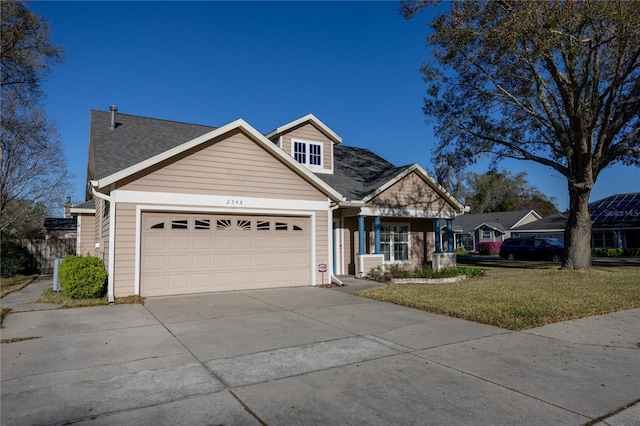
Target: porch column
[376, 233]
[436, 231]
[450, 235]
[361, 234]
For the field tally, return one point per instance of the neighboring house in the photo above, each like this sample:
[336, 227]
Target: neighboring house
[472, 229]
[615, 223]
[60, 228]
[183, 208]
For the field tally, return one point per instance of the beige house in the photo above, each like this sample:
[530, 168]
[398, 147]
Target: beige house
[177, 208]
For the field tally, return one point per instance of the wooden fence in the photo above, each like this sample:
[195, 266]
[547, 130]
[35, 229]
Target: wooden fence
[43, 252]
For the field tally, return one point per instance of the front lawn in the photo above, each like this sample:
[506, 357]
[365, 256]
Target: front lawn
[521, 298]
[50, 296]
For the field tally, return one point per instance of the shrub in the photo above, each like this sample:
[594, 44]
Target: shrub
[15, 258]
[82, 277]
[615, 252]
[395, 271]
[489, 247]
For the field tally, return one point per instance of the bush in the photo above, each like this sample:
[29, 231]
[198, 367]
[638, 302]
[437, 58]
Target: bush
[15, 258]
[399, 271]
[615, 252]
[489, 247]
[82, 277]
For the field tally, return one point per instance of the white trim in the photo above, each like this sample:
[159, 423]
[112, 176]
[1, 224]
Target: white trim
[172, 208]
[235, 125]
[78, 234]
[82, 211]
[406, 213]
[234, 203]
[307, 118]
[523, 217]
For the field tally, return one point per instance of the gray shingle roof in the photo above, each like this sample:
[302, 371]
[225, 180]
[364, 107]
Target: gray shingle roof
[91, 204]
[60, 223]
[555, 221]
[357, 172]
[134, 139]
[499, 220]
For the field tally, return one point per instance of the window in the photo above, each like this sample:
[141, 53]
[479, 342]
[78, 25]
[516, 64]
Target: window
[158, 226]
[262, 225]
[179, 224]
[394, 242]
[486, 233]
[308, 153]
[203, 224]
[244, 224]
[281, 226]
[603, 239]
[222, 224]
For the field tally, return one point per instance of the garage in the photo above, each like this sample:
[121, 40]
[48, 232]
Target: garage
[183, 253]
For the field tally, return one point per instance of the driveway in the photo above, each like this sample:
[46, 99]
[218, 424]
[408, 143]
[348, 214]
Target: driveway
[311, 356]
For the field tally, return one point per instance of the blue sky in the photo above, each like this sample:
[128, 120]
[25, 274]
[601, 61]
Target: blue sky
[354, 65]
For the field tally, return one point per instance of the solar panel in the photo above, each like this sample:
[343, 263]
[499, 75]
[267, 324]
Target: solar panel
[616, 208]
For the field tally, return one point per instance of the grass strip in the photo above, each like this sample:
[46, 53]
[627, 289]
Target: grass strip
[518, 299]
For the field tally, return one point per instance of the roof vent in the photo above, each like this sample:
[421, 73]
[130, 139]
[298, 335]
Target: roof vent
[113, 109]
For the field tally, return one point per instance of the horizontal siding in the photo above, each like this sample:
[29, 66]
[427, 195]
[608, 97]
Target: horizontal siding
[234, 166]
[309, 132]
[125, 250]
[411, 193]
[322, 246]
[87, 234]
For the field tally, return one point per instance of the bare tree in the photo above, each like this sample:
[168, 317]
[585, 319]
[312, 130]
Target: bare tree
[33, 171]
[555, 82]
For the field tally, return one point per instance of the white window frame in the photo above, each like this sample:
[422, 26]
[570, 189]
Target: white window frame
[488, 231]
[307, 154]
[392, 242]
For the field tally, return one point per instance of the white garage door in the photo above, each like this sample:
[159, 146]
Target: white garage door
[198, 253]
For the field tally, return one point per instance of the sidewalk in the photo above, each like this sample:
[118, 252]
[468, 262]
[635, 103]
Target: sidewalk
[309, 356]
[26, 299]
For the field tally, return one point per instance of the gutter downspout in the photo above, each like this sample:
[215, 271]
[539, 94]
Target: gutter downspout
[112, 246]
[333, 279]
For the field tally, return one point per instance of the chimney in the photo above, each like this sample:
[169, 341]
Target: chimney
[67, 208]
[113, 109]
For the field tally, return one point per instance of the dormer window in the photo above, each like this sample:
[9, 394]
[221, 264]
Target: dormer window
[308, 153]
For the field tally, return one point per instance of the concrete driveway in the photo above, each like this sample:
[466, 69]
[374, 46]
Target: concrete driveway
[311, 356]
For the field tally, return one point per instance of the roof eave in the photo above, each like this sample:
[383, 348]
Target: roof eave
[240, 124]
[307, 118]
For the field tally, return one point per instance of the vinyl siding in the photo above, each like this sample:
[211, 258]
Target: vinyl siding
[308, 132]
[86, 234]
[125, 250]
[235, 166]
[411, 193]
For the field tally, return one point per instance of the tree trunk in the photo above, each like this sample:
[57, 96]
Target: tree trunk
[577, 234]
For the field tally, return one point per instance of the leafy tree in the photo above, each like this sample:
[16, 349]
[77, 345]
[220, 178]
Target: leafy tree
[33, 170]
[502, 192]
[555, 82]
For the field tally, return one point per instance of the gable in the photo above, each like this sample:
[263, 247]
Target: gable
[232, 164]
[411, 193]
[308, 133]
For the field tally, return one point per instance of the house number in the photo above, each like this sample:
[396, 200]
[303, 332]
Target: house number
[233, 202]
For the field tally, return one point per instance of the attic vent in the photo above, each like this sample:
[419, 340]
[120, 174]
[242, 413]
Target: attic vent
[113, 109]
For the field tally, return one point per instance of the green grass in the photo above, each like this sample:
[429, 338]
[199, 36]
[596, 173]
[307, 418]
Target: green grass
[50, 296]
[516, 298]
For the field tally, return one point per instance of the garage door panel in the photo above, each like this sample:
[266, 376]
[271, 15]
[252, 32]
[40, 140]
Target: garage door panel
[201, 261]
[202, 242]
[263, 259]
[178, 262]
[195, 253]
[179, 242]
[178, 281]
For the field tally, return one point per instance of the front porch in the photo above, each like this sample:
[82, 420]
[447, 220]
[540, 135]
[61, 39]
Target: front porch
[365, 240]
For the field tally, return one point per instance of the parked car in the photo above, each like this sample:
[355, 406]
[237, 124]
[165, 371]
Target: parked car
[532, 249]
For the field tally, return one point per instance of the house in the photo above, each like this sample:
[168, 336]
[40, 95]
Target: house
[183, 208]
[615, 223]
[472, 229]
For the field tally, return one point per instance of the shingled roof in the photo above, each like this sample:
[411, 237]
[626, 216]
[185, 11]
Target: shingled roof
[133, 140]
[502, 221]
[359, 172]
